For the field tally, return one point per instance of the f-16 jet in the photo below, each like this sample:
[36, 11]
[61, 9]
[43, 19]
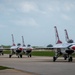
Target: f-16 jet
[65, 49]
[26, 49]
[16, 49]
[60, 48]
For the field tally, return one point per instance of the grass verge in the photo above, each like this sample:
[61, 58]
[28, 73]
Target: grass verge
[39, 53]
[36, 53]
[43, 53]
[3, 68]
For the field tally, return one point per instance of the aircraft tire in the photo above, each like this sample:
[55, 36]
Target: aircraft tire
[70, 59]
[65, 58]
[20, 56]
[54, 59]
[30, 55]
[2, 53]
[9, 56]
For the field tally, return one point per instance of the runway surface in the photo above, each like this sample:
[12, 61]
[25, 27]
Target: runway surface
[39, 65]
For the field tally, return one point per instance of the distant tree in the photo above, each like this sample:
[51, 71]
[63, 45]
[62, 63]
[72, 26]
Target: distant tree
[50, 45]
[35, 46]
[4, 46]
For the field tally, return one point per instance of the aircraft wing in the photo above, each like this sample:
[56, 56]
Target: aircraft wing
[13, 47]
[54, 47]
[62, 46]
[57, 46]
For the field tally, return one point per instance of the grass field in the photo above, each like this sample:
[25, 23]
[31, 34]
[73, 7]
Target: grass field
[38, 53]
[3, 68]
[7, 52]
[43, 53]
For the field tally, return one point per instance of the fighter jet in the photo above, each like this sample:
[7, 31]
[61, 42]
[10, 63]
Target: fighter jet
[65, 49]
[60, 48]
[16, 49]
[26, 50]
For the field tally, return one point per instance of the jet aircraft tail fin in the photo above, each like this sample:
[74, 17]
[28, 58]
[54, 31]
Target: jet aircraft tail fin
[57, 36]
[13, 44]
[23, 41]
[66, 35]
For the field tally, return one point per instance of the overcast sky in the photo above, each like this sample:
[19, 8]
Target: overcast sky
[35, 20]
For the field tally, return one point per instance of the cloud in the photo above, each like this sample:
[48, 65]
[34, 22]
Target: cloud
[7, 9]
[24, 6]
[26, 22]
[68, 6]
[53, 8]
[58, 6]
[28, 7]
[65, 17]
[2, 26]
[18, 6]
[32, 22]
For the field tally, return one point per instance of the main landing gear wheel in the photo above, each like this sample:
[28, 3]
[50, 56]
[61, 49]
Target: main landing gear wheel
[30, 55]
[2, 53]
[54, 59]
[70, 59]
[20, 56]
[65, 58]
[9, 56]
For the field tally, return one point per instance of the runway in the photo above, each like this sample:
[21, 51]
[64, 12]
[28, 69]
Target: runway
[37, 65]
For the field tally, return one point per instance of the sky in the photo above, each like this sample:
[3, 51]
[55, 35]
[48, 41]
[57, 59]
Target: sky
[35, 20]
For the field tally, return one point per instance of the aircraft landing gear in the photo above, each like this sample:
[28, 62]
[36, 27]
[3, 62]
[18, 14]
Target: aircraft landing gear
[2, 53]
[20, 56]
[65, 57]
[70, 59]
[10, 56]
[29, 55]
[54, 59]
